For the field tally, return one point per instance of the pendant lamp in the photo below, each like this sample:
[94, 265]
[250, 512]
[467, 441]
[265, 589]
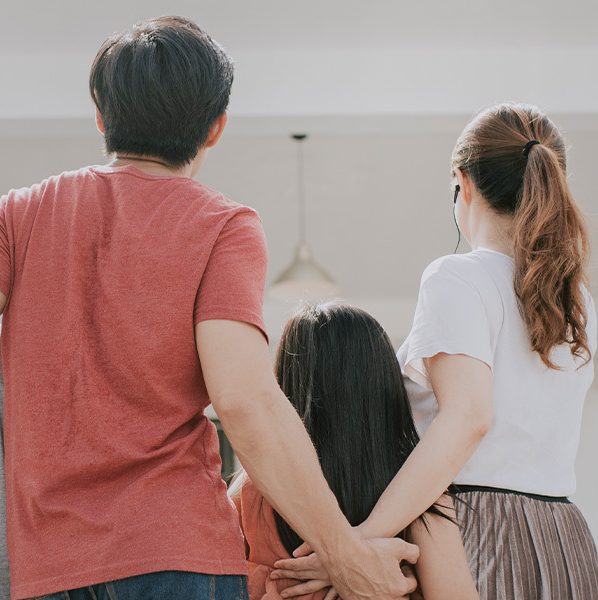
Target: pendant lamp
[304, 278]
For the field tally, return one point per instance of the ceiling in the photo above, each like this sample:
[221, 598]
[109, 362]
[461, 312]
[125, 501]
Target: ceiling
[330, 57]
[67, 25]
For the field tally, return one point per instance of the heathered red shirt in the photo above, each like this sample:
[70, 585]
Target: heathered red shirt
[112, 468]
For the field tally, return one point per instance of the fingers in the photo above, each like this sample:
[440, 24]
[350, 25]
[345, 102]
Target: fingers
[303, 550]
[288, 574]
[331, 595]
[407, 551]
[307, 567]
[298, 564]
[402, 550]
[410, 584]
[407, 569]
[309, 587]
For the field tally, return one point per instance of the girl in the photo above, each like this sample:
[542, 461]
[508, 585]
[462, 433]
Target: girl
[338, 368]
[499, 361]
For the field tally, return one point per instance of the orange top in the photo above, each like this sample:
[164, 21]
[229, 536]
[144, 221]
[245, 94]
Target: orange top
[262, 545]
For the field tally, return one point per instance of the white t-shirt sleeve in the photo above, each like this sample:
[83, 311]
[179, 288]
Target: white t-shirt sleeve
[451, 317]
[591, 325]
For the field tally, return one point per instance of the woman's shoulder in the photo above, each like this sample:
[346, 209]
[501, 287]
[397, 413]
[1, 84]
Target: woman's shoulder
[466, 287]
[461, 274]
[456, 265]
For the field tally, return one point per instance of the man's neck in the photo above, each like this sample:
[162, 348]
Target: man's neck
[152, 165]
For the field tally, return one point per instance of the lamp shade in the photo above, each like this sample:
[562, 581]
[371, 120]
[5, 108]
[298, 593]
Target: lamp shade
[303, 279]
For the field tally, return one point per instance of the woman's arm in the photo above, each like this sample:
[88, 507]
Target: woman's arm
[463, 388]
[442, 570]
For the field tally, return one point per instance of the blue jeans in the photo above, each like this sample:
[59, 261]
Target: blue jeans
[166, 585]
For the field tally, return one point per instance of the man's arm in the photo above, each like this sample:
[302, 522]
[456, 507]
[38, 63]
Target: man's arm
[276, 451]
[2, 302]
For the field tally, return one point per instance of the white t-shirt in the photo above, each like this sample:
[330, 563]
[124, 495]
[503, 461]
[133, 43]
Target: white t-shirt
[467, 305]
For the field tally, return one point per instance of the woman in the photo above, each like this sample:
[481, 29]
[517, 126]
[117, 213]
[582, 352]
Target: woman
[499, 362]
[337, 366]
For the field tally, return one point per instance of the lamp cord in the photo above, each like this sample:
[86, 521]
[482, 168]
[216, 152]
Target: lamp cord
[301, 192]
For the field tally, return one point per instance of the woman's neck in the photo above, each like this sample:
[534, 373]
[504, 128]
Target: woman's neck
[492, 231]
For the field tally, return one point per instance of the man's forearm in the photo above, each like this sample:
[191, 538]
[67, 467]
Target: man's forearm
[275, 450]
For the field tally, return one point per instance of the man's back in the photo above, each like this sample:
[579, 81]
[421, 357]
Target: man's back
[112, 468]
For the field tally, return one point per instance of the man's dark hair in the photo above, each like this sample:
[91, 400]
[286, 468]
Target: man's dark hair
[159, 87]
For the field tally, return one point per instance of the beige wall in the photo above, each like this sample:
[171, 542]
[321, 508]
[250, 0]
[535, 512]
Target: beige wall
[379, 202]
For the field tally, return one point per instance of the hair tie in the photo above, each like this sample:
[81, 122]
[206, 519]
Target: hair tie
[528, 146]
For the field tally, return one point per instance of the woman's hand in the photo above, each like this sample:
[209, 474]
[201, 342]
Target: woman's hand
[307, 568]
[314, 577]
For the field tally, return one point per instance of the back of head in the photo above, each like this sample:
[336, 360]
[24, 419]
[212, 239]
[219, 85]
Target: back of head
[159, 87]
[516, 158]
[338, 368]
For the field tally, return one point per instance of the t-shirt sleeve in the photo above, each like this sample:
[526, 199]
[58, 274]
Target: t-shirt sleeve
[5, 262]
[451, 317]
[591, 326]
[233, 283]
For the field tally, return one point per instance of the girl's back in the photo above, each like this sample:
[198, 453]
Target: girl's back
[338, 368]
[263, 545]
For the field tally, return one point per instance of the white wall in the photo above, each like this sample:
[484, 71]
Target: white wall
[587, 478]
[348, 81]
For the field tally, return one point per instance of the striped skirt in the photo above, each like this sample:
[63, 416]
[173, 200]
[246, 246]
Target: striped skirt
[524, 547]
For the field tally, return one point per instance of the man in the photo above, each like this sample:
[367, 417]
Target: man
[132, 297]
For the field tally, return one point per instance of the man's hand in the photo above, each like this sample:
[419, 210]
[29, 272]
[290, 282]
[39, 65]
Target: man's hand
[371, 571]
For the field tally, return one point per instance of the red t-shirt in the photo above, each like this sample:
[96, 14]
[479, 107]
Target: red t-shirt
[112, 468]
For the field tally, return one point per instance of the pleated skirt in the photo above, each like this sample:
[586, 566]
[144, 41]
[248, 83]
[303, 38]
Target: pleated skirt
[524, 548]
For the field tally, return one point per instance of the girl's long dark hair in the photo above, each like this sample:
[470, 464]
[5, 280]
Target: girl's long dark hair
[338, 368]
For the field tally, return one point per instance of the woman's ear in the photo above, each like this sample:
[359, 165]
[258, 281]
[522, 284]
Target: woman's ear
[465, 184]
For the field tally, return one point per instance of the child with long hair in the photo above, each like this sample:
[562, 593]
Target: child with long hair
[338, 368]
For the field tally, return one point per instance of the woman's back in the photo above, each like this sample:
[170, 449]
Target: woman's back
[533, 440]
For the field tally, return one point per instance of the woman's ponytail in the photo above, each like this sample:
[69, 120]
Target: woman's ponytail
[516, 157]
[551, 254]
